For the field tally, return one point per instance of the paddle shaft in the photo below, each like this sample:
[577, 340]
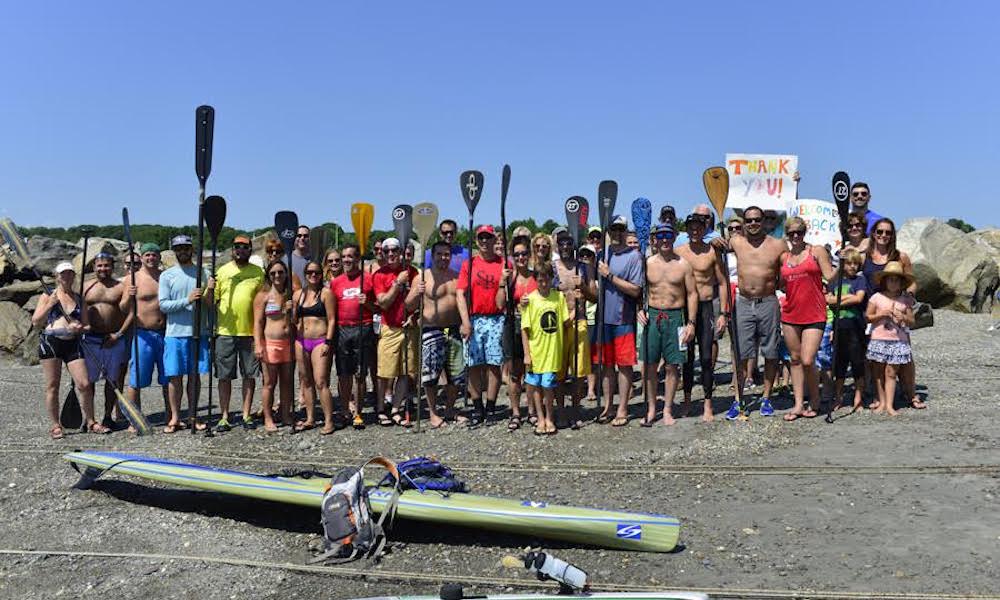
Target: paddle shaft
[193, 375]
[135, 316]
[733, 339]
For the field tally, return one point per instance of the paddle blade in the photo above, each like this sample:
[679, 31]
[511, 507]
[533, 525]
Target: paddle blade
[607, 195]
[286, 223]
[318, 238]
[71, 417]
[842, 196]
[642, 214]
[716, 182]
[132, 413]
[215, 216]
[402, 224]
[362, 217]
[204, 127]
[128, 228]
[16, 243]
[425, 219]
[574, 205]
[472, 189]
[504, 184]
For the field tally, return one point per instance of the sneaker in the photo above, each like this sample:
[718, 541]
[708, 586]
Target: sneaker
[766, 410]
[734, 411]
[222, 426]
[248, 423]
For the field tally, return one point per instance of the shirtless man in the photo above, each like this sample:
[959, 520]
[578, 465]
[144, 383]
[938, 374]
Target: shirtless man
[106, 344]
[673, 305]
[708, 275]
[150, 327]
[758, 315]
[440, 335]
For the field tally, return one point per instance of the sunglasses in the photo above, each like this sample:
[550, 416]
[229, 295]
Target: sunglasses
[241, 246]
[485, 239]
[448, 232]
[854, 225]
[749, 220]
[859, 194]
[735, 228]
[309, 273]
[521, 254]
[795, 232]
[276, 272]
[333, 260]
[883, 232]
[542, 246]
[301, 235]
[664, 237]
[274, 251]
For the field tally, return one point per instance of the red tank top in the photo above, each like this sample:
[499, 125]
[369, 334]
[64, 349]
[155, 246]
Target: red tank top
[805, 301]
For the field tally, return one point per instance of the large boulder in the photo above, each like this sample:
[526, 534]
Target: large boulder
[953, 269]
[116, 248]
[15, 324]
[20, 292]
[47, 252]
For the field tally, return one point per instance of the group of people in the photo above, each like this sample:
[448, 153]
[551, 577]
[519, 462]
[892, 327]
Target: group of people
[557, 321]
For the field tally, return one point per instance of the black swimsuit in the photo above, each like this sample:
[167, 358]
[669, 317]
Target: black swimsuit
[51, 345]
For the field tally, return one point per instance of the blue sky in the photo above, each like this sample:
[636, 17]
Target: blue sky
[321, 104]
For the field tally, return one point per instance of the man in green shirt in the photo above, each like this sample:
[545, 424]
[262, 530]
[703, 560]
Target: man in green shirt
[237, 283]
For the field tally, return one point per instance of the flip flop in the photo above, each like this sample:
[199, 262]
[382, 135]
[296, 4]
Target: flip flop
[384, 420]
[619, 422]
[56, 432]
[646, 422]
[604, 419]
[792, 416]
[918, 404]
[514, 424]
[171, 429]
[439, 425]
[300, 427]
[809, 413]
[326, 431]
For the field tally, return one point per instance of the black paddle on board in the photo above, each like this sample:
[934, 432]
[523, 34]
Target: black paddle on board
[215, 216]
[841, 185]
[471, 184]
[204, 128]
[607, 195]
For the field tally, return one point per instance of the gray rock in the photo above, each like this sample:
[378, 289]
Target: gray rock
[20, 292]
[952, 268]
[48, 252]
[14, 326]
[923, 316]
[28, 350]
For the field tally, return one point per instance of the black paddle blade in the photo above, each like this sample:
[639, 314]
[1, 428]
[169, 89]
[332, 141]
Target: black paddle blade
[71, 417]
[472, 189]
[607, 195]
[128, 229]
[504, 184]
[402, 224]
[204, 126]
[574, 205]
[842, 196]
[286, 223]
[215, 216]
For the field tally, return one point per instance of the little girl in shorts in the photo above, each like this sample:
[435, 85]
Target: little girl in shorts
[891, 316]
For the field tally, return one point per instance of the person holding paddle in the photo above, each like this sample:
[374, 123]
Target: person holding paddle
[482, 325]
[578, 284]
[393, 293]
[150, 328]
[61, 314]
[105, 345]
[237, 284]
[353, 311]
[177, 295]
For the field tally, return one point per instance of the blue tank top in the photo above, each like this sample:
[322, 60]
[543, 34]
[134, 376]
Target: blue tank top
[57, 311]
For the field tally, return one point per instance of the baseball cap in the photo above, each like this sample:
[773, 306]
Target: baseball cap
[588, 248]
[593, 229]
[64, 266]
[149, 247]
[668, 210]
[560, 230]
[696, 218]
[390, 242]
[181, 240]
[487, 229]
[241, 239]
[619, 220]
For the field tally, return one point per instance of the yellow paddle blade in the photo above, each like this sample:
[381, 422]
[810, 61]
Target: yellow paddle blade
[133, 414]
[362, 217]
[716, 181]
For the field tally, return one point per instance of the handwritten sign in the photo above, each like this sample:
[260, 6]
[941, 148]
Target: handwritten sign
[763, 180]
[823, 220]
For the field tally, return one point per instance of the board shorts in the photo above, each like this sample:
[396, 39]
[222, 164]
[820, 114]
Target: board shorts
[151, 348]
[541, 380]
[390, 351]
[177, 359]
[824, 356]
[757, 322]
[890, 352]
[582, 352]
[662, 337]
[485, 345]
[232, 349]
[66, 350]
[277, 352]
[350, 339]
[101, 360]
[618, 348]
[442, 352]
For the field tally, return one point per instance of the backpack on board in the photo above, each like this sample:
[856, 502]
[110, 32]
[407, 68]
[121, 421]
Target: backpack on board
[349, 531]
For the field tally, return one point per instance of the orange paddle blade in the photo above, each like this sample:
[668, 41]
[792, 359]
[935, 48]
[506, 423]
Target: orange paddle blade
[362, 217]
[716, 180]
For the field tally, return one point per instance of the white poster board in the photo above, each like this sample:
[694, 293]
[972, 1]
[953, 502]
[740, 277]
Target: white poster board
[823, 220]
[763, 180]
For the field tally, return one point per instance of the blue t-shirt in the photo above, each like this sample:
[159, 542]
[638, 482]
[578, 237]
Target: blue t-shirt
[459, 254]
[626, 264]
[870, 217]
[850, 316]
[176, 284]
